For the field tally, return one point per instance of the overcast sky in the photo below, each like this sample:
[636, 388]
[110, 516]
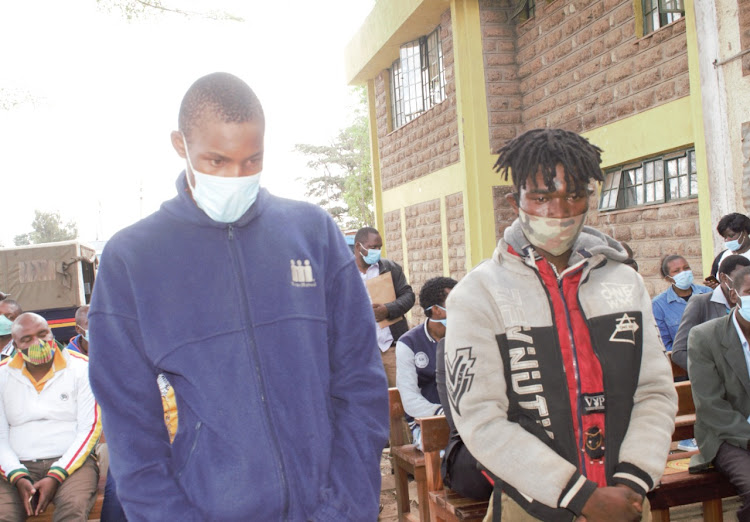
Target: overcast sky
[94, 141]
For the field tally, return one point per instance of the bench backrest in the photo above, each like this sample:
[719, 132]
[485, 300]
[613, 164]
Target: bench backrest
[677, 371]
[685, 404]
[396, 415]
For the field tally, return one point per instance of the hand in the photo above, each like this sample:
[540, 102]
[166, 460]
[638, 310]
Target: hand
[618, 503]
[26, 490]
[47, 488]
[381, 312]
[711, 283]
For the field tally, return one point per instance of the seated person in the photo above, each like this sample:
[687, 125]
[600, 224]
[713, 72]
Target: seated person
[9, 310]
[460, 470]
[735, 229]
[669, 305]
[719, 365]
[415, 356]
[80, 343]
[707, 306]
[45, 450]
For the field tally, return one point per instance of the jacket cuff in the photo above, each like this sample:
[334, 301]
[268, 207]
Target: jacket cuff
[576, 493]
[633, 477]
[58, 474]
[17, 474]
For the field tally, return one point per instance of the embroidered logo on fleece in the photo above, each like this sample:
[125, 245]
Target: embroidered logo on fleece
[459, 376]
[302, 273]
[618, 295]
[421, 360]
[624, 330]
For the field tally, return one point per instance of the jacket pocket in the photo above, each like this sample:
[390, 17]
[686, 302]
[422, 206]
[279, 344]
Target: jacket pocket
[196, 435]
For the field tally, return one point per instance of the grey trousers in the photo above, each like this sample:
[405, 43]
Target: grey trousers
[734, 463]
[74, 498]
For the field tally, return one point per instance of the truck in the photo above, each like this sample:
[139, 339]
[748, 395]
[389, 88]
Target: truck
[51, 279]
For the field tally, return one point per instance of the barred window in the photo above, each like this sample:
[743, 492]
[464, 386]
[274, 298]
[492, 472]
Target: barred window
[658, 13]
[654, 180]
[417, 78]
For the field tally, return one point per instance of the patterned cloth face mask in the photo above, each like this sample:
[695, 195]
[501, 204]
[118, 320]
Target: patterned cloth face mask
[553, 235]
[40, 353]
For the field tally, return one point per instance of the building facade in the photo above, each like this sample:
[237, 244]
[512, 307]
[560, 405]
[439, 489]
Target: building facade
[450, 81]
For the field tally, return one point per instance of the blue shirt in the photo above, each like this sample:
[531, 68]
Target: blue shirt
[668, 308]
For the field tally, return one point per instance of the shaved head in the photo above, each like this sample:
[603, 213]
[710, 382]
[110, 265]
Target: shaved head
[24, 321]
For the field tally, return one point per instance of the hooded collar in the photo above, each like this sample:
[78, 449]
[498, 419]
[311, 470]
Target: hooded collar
[183, 208]
[590, 243]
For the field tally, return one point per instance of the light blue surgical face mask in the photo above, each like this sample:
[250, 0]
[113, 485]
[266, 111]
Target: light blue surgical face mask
[734, 244]
[683, 280]
[373, 255]
[85, 334]
[223, 199]
[743, 306]
[5, 325]
[444, 322]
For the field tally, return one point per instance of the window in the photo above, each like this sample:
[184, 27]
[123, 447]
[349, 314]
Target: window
[658, 13]
[653, 180]
[417, 78]
[525, 10]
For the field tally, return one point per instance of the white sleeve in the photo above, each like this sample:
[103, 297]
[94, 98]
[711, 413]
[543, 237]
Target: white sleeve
[406, 381]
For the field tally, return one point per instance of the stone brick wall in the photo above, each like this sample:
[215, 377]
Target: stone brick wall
[504, 214]
[454, 210]
[653, 233]
[579, 66]
[429, 142]
[501, 71]
[392, 237]
[743, 12]
[424, 245]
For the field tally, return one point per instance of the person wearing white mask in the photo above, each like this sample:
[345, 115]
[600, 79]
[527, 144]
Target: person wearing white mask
[9, 310]
[252, 307]
[734, 228]
[719, 368]
[80, 343]
[669, 305]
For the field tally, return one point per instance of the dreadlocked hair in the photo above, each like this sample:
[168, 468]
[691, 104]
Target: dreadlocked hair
[545, 149]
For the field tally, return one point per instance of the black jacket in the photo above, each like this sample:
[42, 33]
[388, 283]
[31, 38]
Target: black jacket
[404, 297]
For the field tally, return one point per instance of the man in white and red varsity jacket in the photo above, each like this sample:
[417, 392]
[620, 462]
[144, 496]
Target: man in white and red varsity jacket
[557, 379]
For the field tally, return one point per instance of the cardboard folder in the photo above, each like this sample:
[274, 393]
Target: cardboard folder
[381, 292]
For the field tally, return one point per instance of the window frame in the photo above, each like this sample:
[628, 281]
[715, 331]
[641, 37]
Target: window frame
[417, 78]
[654, 180]
[659, 13]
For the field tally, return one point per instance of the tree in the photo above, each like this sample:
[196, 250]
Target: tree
[135, 9]
[47, 228]
[343, 185]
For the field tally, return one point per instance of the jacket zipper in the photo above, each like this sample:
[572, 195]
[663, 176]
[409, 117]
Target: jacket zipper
[577, 375]
[562, 361]
[256, 362]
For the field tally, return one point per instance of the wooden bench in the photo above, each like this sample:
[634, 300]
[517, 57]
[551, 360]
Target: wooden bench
[445, 505]
[406, 460]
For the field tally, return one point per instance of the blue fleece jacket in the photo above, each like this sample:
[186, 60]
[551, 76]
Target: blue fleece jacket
[265, 331]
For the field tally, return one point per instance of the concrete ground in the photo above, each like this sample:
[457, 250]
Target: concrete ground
[689, 513]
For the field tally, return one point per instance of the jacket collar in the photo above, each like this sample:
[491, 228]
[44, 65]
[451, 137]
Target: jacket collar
[732, 347]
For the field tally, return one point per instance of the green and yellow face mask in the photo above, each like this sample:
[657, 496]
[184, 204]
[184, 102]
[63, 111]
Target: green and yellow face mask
[40, 353]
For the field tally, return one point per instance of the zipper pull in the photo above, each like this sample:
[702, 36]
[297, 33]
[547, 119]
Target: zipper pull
[230, 232]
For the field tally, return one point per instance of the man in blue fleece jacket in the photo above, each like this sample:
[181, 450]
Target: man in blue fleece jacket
[280, 389]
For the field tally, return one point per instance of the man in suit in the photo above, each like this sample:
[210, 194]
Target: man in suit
[719, 366]
[367, 246]
[704, 307]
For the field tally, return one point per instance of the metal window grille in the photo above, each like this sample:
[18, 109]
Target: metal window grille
[417, 78]
[658, 13]
[654, 180]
